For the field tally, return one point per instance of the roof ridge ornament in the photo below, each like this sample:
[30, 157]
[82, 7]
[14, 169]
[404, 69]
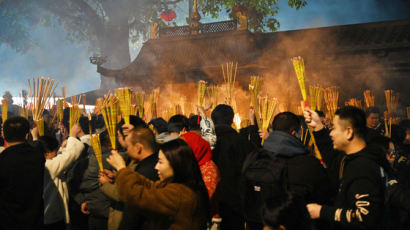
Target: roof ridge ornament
[195, 24]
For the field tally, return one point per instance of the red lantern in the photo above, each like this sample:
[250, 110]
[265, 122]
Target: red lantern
[168, 15]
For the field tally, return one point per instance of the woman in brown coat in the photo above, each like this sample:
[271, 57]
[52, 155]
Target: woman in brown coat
[178, 201]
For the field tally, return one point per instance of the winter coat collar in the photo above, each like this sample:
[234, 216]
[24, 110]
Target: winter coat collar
[284, 144]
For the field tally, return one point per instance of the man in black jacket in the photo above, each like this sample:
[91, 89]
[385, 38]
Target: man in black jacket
[229, 154]
[21, 179]
[307, 179]
[359, 201]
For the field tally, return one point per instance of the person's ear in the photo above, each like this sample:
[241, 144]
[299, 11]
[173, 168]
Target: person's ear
[349, 133]
[27, 137]
[139, 148]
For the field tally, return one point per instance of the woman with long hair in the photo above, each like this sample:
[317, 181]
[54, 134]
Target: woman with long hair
[178, 201]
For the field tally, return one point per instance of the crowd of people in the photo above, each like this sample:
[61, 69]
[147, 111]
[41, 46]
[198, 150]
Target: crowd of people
[198, 173]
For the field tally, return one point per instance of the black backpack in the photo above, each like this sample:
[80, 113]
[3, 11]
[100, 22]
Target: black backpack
[264, 177]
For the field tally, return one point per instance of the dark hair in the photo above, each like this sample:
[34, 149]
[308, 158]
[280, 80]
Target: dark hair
[356, 118]
[381, 141]
[193, 122]
[48, 143]
[66, 118]
[371, 110]
[286, 122]
[15, 129]
[84, 124]
[186, 169]
[320, 113]
[177, 123]
[143, 136]
[222, 114]
[398, 134]
[105, 139]
[160, 125]
[137, 122]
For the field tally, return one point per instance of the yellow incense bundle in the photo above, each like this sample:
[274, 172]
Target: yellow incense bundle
[41, 90]
[254, 89]
[201, 92]
[96, 144]
[316, 97]
[153, 102]
[60, 110]
[299, 66]
[387, 124]
[331, 96]
[125, 96]
[213, 93]
[368, 98]
[75, 114]
[229, 75]
[110, 112]
[4, 109]
[268, 109]
[140, 98]
[354, 102]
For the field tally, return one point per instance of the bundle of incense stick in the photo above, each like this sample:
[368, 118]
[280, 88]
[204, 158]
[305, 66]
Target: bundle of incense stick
[84, 102]
[315, 94]
[354, 102]
[60, 110]
[110, 112]
[213, 93]
[41, 90]
[140, 97]
[99, 103]
[319, 99]
[75, 111]
[75, 114]
[178, 109]
[368, 98]
[254, 89]
[229, 74]
[153, 102]
[392, 101]
[387, 124]
[4, 109]
[201, 92]
[299, 66]
[24, 112]
[125, 97]
[63, 91]
[96, 144]
[237, 121]
[268, 108]
[331, 96]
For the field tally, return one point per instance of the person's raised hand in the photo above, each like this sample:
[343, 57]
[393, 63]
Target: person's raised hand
[314, 210]
[252, 115]
[312, 119]
[116, 160]
[126, 129]
[84, 208]
[75, 130]
[34, 133]
[103, 178]
[109, 173]
[263, 134]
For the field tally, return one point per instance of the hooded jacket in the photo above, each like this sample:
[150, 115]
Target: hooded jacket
[360, 197]
[306, 177]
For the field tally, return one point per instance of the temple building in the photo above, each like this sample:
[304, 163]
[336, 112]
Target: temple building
[354, 57]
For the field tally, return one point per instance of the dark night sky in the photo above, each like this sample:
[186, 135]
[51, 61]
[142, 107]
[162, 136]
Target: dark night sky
[67, 63]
